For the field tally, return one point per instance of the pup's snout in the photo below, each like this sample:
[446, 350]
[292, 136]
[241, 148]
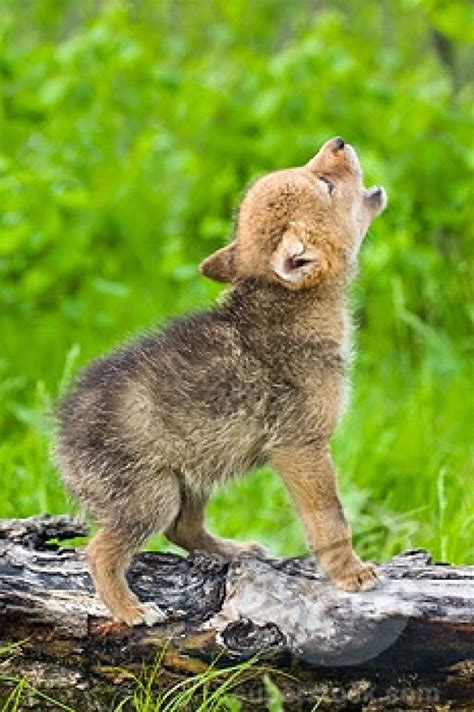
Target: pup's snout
[335, 154]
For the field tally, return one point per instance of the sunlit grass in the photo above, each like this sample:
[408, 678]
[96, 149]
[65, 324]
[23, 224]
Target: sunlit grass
[215, 689]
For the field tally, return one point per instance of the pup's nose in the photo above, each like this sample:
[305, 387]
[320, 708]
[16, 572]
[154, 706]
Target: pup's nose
[339, 143]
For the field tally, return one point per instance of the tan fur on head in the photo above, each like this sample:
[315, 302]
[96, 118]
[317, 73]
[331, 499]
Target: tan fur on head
[298, 226]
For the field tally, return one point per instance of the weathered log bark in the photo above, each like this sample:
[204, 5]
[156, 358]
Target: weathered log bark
[408, 645]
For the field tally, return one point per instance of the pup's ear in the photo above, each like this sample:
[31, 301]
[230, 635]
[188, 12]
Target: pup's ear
[298, 263]
[220, 266]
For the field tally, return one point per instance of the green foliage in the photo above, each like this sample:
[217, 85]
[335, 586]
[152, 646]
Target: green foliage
[128, 131]
[153, 690]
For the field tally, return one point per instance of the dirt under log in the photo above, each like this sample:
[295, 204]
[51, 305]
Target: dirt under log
[408, 645]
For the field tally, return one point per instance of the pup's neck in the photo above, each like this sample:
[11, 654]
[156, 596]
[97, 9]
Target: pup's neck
[318, 313]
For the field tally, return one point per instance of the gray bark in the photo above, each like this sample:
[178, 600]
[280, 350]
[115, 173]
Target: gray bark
[408, 645]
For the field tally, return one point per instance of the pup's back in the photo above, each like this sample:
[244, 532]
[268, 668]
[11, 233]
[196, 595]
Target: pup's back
[190, 399]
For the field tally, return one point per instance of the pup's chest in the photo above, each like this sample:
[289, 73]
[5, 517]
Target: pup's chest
[309, 388]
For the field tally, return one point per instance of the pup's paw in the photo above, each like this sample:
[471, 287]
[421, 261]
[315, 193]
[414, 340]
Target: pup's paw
[361, 576]
[230, 548]
[251, 548]
[143, 614]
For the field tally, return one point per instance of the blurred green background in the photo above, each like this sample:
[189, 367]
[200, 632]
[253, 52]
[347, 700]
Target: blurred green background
[128, 131]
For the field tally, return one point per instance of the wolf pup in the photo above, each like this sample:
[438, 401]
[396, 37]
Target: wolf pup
[147, 432]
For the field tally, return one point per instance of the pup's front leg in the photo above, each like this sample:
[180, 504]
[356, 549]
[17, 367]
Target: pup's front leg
[310, 478]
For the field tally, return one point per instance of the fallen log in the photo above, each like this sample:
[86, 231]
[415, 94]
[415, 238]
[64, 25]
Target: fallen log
[408, 645]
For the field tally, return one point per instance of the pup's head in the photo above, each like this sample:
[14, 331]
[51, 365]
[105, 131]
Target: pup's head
[300, 226]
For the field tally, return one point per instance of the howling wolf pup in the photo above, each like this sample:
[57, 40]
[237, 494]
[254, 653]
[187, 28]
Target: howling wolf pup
[146, 432]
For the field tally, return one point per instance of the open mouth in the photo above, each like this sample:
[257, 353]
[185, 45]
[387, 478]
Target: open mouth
[376, 197]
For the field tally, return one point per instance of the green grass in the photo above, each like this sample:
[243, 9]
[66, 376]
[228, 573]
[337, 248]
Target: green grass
[213, 690]
[128, 130]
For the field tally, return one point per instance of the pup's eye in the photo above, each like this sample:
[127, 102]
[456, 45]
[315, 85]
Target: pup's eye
[329, 183]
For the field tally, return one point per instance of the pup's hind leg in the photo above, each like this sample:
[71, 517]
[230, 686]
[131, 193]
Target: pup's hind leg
[123, 532]
[189, 532]
[109, 554]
